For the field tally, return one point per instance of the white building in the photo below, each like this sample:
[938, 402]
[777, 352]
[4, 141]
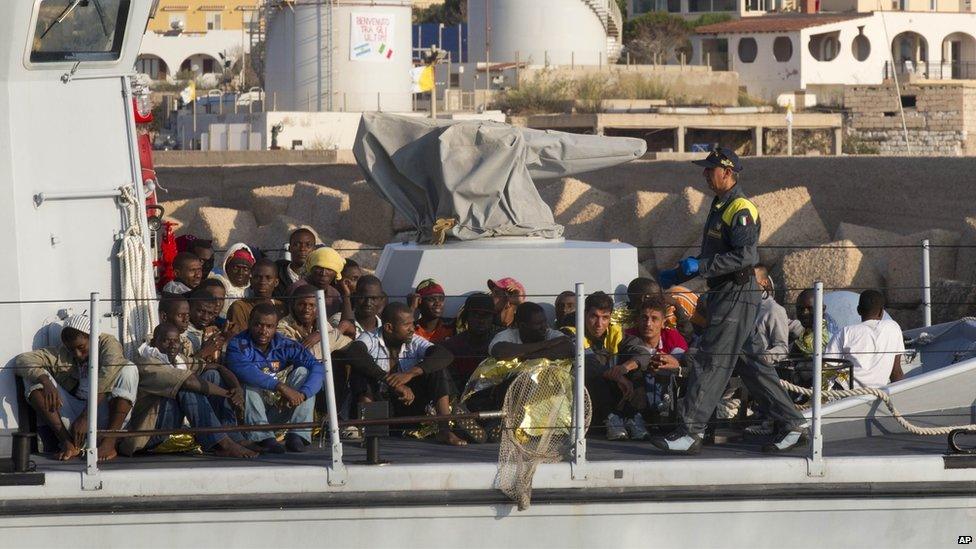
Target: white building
[164, 55]
[777, 54]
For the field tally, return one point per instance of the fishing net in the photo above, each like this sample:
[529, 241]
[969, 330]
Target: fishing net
[538, 427]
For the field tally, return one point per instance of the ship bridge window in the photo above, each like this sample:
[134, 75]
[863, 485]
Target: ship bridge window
[79, 30]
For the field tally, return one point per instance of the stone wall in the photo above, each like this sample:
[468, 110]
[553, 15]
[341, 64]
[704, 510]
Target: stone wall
[939, 123]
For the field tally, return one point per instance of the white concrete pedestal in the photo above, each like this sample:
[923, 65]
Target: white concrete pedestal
[545, 266]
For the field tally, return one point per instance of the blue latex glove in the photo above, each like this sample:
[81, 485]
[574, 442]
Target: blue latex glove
[667, 278]
[689, 266]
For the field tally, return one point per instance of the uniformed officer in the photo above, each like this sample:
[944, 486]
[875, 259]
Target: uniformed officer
[728, 255]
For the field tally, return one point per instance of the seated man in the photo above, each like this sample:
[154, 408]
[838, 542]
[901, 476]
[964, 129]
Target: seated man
[412, 368]
[280, 377]
[350, 276]
[368, 302]
[801, 329]
[772, 323]
[429, 303]
[639, 290]
[203, 318]
[176, 311]
[188, 269]
[531, 337]
[508, 294]
[264, 280]
[874, 346]
[346, 285]
[301, 242]
[565, 306]
[216, 289]
[56, 380]
[648, 362]
[302, 325]
[200, 247]
[173, 386]
[610, 392]
[470, 347]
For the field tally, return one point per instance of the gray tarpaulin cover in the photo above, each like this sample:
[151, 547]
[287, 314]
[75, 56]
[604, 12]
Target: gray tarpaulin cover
[477, 172]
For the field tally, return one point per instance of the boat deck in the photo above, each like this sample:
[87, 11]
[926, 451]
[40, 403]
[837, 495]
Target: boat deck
[398, 450]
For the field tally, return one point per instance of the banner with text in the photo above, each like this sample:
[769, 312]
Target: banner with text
[371, 37]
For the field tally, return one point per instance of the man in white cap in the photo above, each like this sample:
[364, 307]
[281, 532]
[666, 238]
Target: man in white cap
[56, 380]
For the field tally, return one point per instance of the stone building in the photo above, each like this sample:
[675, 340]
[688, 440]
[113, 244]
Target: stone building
[940, 117]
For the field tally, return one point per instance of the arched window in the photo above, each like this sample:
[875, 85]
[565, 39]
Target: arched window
[748, 50]
[861, 47]
[783, 49]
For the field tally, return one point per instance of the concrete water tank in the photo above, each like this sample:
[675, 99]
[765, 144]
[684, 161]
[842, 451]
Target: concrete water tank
[562, 31]
[370, 64]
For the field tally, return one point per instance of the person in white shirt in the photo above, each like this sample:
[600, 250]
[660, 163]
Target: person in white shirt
[531, 337]
[874, 346]
[404, 367]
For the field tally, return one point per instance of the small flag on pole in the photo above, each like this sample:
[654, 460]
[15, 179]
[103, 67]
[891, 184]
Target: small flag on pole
[189, 93]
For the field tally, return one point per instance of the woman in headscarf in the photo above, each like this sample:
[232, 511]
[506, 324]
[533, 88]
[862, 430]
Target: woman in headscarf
[234, 272]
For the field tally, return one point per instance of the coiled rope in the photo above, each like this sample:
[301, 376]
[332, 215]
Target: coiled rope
[884, 397]
[139, 313]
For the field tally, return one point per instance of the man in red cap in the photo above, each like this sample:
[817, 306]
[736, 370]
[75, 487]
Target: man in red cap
[507, 294]
[428, 300]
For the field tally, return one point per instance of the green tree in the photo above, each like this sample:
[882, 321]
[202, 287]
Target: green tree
[657, 35]
[450, 13]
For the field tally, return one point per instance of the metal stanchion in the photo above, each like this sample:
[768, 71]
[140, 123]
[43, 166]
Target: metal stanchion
[815, 464]
[579, 398]
[337, 473]
[926, 284]
[92, 480]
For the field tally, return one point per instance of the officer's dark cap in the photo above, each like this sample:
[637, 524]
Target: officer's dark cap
[721, 157]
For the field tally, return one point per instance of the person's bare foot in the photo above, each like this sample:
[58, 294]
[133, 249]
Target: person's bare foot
[106, 450]
[68, 451]
[230, 449]
[448, 437]
[250, 445]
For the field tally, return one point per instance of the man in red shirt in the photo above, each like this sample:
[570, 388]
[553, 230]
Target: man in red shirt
[651, 360]
[429, 302]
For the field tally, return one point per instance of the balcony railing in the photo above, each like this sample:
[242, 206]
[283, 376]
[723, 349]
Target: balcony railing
[956, 70]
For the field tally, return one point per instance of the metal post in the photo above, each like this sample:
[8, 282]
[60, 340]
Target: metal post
[337, 474]
[926, 284]
[92, 480]
[579, 399]
[815, 464]
[487, 52]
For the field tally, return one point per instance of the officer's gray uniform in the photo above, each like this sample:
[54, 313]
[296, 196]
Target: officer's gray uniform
[728, 256]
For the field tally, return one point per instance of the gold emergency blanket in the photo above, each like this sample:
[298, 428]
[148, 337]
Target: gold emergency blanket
[551, 408]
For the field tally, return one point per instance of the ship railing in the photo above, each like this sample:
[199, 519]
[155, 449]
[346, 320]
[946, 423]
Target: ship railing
[91, 479]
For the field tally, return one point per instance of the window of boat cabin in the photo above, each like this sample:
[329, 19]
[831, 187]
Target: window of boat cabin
[79, 30]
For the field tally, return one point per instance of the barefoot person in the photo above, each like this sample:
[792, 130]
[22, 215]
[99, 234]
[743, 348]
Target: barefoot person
[404, 367]
[56, 380]
[174, 387]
